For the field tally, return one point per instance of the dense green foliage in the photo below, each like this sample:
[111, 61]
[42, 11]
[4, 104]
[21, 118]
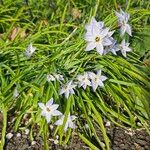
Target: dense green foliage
[56, 29]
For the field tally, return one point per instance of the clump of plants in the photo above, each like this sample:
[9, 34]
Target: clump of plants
[75, 84]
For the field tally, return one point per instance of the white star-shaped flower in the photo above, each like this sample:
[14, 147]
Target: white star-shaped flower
[83, 80]
[123, 22]
[97, 36]
[49, 110]
[29, 51]
[59, 77]
[124, 47]
[97, 79]
[67, 89]
[54, 77]
[94, 23]
[50, 78]
[69, 122]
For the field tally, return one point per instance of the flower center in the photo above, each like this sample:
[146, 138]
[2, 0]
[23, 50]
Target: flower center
[95, 79]
[65, 87]
[48, 109]
[97, 39]
[83, 79]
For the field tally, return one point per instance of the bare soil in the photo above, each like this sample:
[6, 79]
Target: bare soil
[121, 139]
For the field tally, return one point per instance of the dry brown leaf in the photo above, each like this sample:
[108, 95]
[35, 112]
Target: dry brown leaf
[147, 63]
[17, 31]
[76, 13]
[44, 22]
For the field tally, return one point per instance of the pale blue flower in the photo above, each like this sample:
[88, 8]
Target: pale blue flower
[69, 122]
[49, 110]
[124, 48]
[94, 23]
[67, 89]
[123, 22]
[50, 78]
[59, 77]
[96, 79]
[97, 36]
[54, 77]
[29, 51]
[83, 80]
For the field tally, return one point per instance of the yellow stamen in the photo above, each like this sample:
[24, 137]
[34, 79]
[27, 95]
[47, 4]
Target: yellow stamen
[97, 39]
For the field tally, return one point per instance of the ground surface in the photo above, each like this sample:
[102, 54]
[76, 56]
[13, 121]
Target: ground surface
[120, 140]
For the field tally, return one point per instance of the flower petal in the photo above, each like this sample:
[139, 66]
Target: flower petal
[48, 117]
[89, 38]
[73, 117]
[128, 29]
[124, 53]
[71, 125]
[90, 46]
[94, 86]
[56, 113]
[103, 78]
[100, 49]
[54, 107]
[100, 83]
[61, 91]
[91, 75]
[50, 102]
[67, 94]
[66, 126]
[107, 42]
[59, 122]
[99, 72]
[41, 105]
[104, 32]
[122, 30]
[43, 113]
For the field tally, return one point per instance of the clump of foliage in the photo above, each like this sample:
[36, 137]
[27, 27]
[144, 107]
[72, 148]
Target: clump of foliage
[43, 51]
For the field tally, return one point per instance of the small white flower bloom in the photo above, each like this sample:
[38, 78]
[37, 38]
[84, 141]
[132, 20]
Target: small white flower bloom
[9, 135]
[97, 37]
[94, 23]
[123, 22]
[124, 47]
[54, 77]
[49, 110]
[83, 80]
[69, 122]
[29, 51]
[97, 79]
[67, 89]
[59, 77]
[50, 78]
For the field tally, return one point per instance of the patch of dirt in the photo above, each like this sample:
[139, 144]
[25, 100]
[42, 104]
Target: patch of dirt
[23, 143]
[121, 139]
[130, 140]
